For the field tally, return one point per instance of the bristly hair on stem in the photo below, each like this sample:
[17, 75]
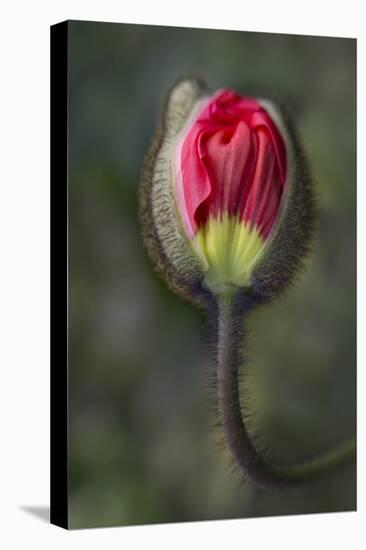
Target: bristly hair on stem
[232, 313]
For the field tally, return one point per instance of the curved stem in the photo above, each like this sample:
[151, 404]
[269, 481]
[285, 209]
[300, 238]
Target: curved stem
[231, 311]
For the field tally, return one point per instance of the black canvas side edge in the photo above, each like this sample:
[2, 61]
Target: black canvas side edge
[59, 279]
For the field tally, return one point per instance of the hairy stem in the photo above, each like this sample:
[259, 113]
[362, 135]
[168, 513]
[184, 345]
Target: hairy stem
[231, 312]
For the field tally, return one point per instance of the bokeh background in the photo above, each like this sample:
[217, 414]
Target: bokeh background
[142, 446]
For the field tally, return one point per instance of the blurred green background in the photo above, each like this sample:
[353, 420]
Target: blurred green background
[142, 446]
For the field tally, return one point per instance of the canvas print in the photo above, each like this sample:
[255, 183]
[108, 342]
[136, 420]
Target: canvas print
[203, 202]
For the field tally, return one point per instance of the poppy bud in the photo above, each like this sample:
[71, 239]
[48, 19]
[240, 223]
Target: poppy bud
[226, 202]
[227, 213]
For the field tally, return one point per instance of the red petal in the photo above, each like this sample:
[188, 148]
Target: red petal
[231, 159]
[266, 188]
[227, 153]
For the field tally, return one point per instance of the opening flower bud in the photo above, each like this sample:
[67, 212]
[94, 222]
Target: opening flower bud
[226, 197]
[230, 167]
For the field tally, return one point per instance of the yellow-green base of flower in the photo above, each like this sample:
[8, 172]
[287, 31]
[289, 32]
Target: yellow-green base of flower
[229, 250]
